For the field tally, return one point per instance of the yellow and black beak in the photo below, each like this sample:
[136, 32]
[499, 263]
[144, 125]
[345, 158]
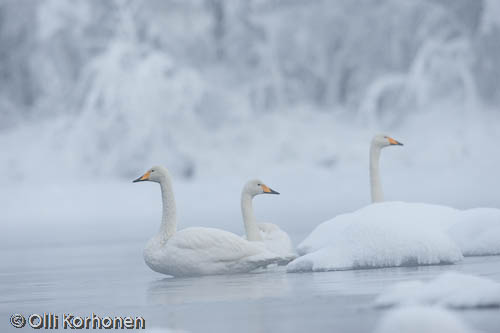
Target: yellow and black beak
[142, 178]
[268, 190]
[394, 142]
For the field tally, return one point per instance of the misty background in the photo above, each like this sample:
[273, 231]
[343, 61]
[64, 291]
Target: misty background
[93, 93]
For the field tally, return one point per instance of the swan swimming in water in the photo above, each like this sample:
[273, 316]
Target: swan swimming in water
[379, 142]
[197, 250]
[275, 239]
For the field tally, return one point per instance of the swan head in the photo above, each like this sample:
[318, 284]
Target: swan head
[383, 140]
[155, 174]
[256, 187]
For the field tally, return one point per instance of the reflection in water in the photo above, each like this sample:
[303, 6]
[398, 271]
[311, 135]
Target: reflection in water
[113, 280]
[369, 281]
[216, 288]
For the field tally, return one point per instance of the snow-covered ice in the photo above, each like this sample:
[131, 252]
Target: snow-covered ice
[418, 319]
[381, 235]
[397, 234]
[477, 232]
[423, 215]
[451, 289]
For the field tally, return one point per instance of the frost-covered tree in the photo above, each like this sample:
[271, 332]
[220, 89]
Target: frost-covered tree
[129, 73]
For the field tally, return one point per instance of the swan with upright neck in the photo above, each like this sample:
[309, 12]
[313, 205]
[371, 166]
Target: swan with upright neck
[397, 233]
[321, 235]
[275, 239]
[379, 142]
[197, 250]
[382, 234]
[476, 231]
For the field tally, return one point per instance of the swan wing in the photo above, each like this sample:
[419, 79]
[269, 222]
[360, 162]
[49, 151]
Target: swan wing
[221, 244]
[203, 251]
[276, 240]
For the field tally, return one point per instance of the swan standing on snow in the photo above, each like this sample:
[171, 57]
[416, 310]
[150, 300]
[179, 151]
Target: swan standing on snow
[275, 239]
[197, 250]
[379, 141]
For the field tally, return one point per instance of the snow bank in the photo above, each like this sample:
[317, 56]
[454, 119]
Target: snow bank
[425, 215]
[477, 232]
[450, 289]
[381, 235]
[421, 319]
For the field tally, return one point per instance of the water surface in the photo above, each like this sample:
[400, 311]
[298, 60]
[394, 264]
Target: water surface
[113, 280]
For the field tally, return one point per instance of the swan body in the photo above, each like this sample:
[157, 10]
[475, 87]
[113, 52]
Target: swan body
[271, 235]
[205, 251]
[277, 241]
[198, 250]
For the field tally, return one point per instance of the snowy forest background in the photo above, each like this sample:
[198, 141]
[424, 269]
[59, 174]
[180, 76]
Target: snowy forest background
[107, 88]
[96, 91]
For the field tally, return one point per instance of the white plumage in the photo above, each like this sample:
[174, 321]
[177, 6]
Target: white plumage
[205, 251]
[277, 240]
[272, 236]
[198, 250]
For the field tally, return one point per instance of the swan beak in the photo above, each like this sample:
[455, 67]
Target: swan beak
[142, 178]
[394, 142]
[268, 190]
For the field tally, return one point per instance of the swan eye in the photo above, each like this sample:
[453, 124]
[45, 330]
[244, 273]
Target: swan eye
[259, 184]
[152, 171]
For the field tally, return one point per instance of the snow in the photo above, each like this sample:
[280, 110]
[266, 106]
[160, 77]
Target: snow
[397, 234]
[418, 319]
[477, 232]
[450, 289]
[381, 235]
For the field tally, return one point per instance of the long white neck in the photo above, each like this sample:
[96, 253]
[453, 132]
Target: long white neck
[168, 221]
[251, 228]
[375, 183]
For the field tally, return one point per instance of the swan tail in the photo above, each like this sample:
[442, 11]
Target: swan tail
[286, 259]
[265, 260]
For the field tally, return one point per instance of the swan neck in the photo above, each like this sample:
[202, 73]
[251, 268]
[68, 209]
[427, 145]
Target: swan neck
[168, 222]
[251, 228]
[375, 182]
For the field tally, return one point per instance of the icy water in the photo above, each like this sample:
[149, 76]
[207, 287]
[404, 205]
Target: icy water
[113, 280]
